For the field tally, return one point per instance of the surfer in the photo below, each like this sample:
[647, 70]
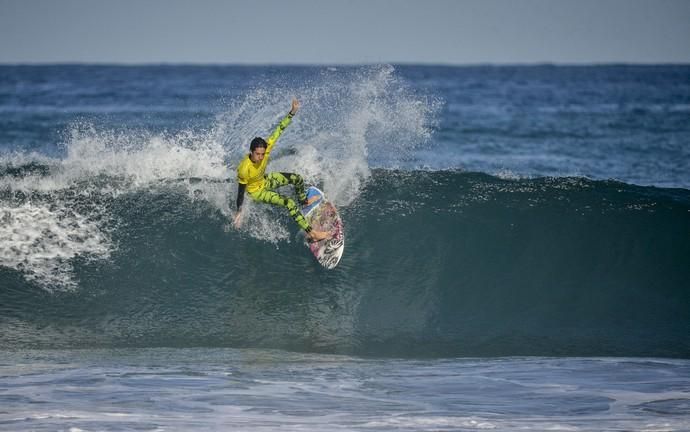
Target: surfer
[252, 178]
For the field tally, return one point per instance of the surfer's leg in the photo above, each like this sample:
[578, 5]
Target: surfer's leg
[274, 198]
[277, 179]
[297, 181]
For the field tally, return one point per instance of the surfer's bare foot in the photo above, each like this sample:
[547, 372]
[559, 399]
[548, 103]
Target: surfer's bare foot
[310, 200]
[318, 235]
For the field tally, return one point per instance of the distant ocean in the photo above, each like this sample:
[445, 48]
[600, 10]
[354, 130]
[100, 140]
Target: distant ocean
[517, 249]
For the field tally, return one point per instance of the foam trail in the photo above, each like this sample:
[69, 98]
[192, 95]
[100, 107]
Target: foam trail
[41, 239]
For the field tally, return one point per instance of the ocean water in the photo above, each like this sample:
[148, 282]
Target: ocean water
[517, 249]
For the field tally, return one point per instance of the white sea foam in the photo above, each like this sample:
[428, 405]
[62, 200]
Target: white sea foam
[41, 239]
[227, 389]
[142, 158]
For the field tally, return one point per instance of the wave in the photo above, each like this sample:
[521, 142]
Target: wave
[125, 240]
[437, 263]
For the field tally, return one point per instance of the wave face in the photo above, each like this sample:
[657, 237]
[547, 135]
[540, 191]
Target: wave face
[437, 263]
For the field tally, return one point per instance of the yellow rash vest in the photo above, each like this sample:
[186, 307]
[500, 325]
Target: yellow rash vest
[252, 174]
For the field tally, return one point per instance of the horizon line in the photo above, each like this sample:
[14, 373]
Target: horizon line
[345, 64]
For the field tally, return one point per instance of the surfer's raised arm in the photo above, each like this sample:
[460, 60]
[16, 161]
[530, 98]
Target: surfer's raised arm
[284, 123]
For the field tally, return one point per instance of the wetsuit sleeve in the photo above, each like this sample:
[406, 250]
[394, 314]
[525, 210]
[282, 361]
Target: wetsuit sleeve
[240, 195]
[285, 122]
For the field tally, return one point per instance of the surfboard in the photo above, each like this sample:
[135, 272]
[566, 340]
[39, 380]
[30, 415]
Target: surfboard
[323, 216]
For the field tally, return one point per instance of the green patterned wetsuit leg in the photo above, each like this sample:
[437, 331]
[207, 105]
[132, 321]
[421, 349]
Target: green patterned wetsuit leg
[275, 180]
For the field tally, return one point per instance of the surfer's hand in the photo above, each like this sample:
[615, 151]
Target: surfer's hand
[295, 107]
[238, 220]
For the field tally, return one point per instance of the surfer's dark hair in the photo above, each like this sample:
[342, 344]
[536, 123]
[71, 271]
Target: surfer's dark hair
[256, 143]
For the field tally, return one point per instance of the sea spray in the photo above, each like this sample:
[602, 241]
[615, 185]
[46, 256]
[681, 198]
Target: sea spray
[348, 118]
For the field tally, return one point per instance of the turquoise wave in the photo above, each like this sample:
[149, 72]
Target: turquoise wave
[436, 264]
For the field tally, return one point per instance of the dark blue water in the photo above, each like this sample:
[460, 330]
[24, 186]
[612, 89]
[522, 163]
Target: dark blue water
[490, 212]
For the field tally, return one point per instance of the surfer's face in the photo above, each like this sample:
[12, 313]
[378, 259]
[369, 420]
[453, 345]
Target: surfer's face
[258, 154]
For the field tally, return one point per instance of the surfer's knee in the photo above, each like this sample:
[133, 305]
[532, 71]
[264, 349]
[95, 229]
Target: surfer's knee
[290, 204]
[293, 178]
